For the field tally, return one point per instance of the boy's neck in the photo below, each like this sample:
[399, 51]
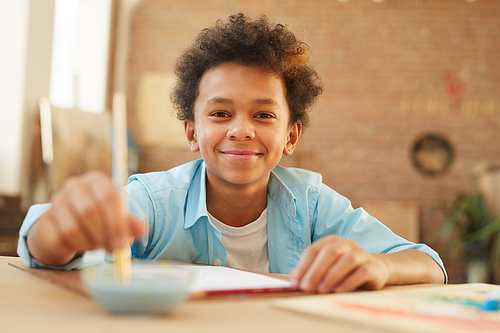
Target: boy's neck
[236, 206]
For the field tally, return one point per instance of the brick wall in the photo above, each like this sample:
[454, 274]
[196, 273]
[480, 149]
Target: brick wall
[393, 71]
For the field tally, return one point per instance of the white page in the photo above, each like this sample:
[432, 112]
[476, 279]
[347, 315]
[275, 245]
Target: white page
[223, 278]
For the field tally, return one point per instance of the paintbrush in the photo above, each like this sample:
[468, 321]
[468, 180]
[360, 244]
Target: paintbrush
[121, 256]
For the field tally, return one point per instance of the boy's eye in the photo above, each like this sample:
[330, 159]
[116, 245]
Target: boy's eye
[265, 115]
[219, 114]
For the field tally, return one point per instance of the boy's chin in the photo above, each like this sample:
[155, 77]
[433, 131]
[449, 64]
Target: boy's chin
[237, 179]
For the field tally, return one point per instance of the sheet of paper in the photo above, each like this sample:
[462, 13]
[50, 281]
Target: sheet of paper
[223, 278]
[447, 308]
[205, 278]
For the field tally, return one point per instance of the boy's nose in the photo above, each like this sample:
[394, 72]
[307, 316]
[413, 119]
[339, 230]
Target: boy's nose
[241, 129]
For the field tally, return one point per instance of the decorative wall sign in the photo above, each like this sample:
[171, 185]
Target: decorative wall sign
[432, 154]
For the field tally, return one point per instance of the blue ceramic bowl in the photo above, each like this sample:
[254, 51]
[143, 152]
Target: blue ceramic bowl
[154, 289]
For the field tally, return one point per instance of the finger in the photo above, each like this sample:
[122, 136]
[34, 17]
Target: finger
[69, 192]
[85, 209]
[68, 230]
[305, 262]
[54, 238]
[308, 257]
[355, 280]
[326, 258]
[292, 275]
[137, 226]
[108, 207]
[341, 269]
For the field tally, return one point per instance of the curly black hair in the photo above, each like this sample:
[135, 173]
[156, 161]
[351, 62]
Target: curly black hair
[253, 42]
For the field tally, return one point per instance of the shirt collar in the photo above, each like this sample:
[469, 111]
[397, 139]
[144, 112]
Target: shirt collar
[279, 192]
[196, 206]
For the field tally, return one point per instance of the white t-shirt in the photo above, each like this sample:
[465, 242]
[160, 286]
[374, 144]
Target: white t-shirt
[246, 246]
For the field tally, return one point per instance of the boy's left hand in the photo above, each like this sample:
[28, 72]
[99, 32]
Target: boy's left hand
[335, 264]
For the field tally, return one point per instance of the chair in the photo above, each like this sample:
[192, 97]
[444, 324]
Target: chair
[487, 181]
[401, 217]
[73, 142]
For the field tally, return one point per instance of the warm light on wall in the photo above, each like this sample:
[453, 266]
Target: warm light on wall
[79, 70]
[380, 1]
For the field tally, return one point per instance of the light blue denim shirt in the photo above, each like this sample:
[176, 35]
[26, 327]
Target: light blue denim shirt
[300, 210]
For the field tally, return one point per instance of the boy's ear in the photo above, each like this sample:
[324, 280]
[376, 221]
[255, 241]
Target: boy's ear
[191, 135]
[292, 138]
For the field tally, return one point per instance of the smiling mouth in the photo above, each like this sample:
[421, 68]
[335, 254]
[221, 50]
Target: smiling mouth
[240, 155]
[240, 152]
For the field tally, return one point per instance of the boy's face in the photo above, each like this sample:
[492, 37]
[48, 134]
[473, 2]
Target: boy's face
[241, 124]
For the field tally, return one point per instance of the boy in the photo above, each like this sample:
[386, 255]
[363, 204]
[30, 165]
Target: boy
[244, 87]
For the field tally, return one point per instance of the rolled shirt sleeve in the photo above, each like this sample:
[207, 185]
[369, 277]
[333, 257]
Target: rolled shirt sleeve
[90, 258]
[335, 215]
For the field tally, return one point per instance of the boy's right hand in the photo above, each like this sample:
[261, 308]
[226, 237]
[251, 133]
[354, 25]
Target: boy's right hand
[85, 215]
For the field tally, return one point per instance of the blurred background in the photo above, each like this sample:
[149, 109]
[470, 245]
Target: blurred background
[408, 126]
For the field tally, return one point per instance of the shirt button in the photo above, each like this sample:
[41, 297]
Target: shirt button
[217, 262]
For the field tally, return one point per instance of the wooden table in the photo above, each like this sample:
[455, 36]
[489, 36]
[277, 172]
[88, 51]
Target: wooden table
[30, 301]
[31, 304]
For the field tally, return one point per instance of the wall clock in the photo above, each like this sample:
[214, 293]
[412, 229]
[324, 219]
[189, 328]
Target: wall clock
[432, 154]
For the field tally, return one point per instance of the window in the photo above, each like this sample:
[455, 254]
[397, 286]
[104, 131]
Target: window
[80, 53]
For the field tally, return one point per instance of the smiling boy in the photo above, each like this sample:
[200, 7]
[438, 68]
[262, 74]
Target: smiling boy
[244, 88]
[242, 127]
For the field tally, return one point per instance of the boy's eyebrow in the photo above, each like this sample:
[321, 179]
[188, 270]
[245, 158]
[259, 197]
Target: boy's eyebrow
[215, 100]
[261, 101]
[266, 101]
